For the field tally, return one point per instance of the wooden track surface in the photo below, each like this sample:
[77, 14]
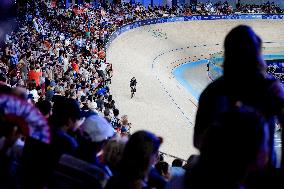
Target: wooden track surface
[161, 104]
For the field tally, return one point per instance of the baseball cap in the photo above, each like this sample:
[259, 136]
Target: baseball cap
[97, 128]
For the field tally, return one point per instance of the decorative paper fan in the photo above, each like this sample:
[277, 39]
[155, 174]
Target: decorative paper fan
[26, 116]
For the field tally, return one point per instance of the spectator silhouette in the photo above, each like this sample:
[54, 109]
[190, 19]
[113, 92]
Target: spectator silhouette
[236, 144]
[244, 81]
[64, 121]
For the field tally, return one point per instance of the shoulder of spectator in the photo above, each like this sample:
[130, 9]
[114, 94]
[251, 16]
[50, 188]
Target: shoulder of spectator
[277, 89]
[176, 182]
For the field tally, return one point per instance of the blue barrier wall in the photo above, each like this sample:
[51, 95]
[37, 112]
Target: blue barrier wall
[137, 24]
[215, 69]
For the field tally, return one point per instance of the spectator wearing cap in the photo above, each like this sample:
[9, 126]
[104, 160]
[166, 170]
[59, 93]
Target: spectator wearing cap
[92, 104]
[85, 166]
[90, 109]
[94, 133]
[140, 154]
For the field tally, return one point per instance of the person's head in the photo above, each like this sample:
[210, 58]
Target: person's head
[83, 99]
[106, 112]
[93, 106]
[243, 53]
[177, 163]
[115, 112]
[32, 67]
[140, 154]
[191, 161]
[44, 107]
[32, 85]
[3, 78]
[95, 131]
[66, 113]
[109, 98]
[163, 169]
[113, 151]
[238, 142]
[124, 120]
[161, 157]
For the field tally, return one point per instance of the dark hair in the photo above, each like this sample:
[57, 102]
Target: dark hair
[44, 107]
[115, 112]
[137, 153]
[242, 53]
[109, 98]
[83, 98]
[177, 163]
[162, 167]
[161, 157]
[106, 112]
[90, 98]
[106, 105]
[63, 110]
[3, 77]
[32, 85]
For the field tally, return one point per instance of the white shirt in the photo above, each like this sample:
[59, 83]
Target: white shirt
[35, 95]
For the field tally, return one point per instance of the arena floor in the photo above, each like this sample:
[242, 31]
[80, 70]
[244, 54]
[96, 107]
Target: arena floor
[150, 53]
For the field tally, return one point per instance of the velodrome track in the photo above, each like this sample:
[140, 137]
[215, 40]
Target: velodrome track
[162, 105]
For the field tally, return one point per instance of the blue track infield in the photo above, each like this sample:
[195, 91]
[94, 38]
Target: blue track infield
[179, 75]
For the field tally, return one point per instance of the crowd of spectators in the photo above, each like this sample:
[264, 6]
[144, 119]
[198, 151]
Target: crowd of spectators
[224, 8]
[56, 61]
[267, 8]
[276, 70]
